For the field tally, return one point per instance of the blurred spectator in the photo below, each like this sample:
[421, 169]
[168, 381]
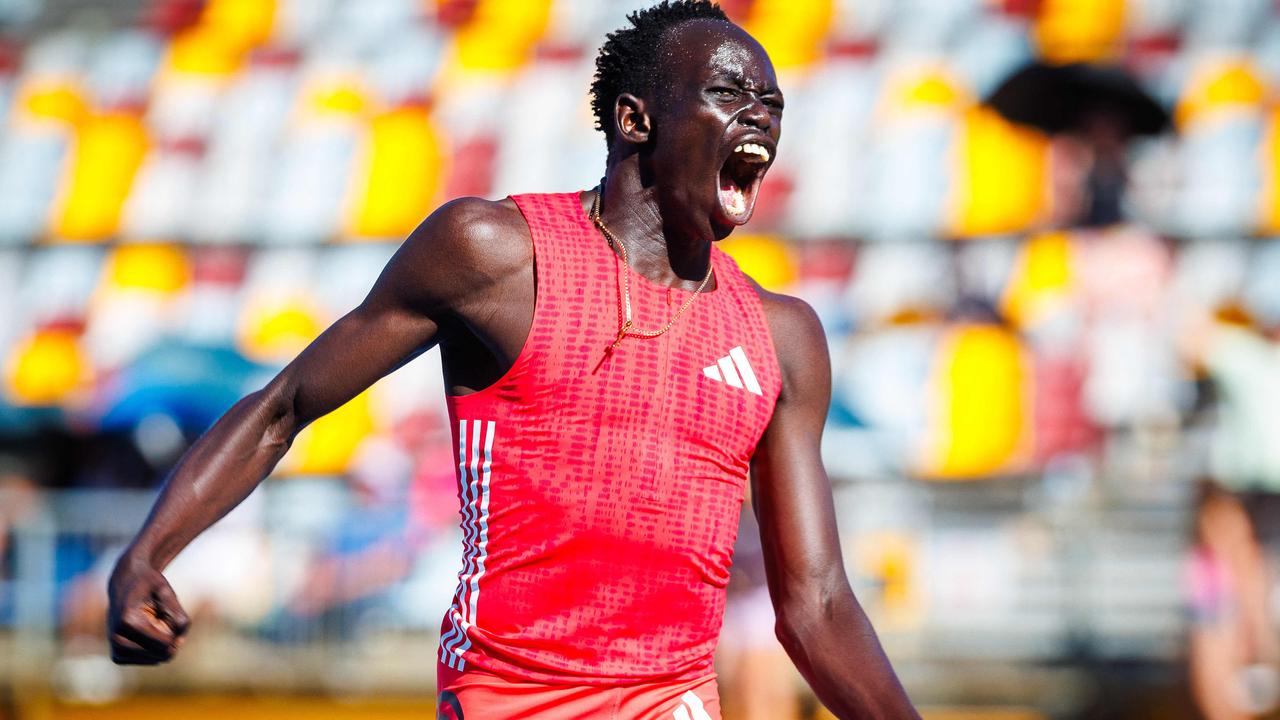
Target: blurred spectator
[1234, 651]
[758, 678]
[20, 503]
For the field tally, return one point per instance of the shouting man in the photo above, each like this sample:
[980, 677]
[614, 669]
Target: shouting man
[614, 381]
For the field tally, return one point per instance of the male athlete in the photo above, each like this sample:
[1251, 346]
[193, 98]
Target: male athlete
[614, 380]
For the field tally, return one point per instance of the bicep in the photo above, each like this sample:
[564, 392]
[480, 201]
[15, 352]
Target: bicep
[428, 278]
[791, 491]
[353, 353]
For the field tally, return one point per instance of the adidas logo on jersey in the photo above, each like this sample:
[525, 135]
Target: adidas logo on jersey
[734, 370]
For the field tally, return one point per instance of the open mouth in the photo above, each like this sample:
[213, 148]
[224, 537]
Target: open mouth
[740, 181]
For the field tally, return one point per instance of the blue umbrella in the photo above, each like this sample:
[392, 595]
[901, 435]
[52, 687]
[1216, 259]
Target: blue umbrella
[193, 384]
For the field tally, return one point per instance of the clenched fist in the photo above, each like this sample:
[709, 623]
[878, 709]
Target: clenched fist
[145, 621]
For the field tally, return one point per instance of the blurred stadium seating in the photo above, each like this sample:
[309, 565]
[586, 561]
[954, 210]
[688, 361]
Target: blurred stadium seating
[191, 191]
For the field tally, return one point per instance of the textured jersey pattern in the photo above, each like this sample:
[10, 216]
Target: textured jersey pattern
[600, 495]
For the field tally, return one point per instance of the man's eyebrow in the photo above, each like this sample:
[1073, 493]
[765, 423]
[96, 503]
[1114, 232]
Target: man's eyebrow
[736, 77]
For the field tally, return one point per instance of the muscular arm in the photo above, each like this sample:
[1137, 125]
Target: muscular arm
[446, 271]
[820, 623]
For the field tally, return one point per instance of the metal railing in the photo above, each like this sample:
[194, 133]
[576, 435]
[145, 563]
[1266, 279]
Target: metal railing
[1047, 582]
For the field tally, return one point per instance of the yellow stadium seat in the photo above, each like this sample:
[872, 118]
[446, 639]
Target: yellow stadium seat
[792, 31]
[1003, 176]
[46, 367]
[978, 421]
[244, 23]
[501, 34]
[1042, 278]
[277, 331]
[1269, 222]
[930, 89]
[327, 446]
[202, 51]
[890, 558]
[922, 88]
[403, 174]
[337, 96]
[1069, 31]
[157, 268]
[1220, 85]
[109, 149]
[766, 258]
[218, 44]
[52, 99]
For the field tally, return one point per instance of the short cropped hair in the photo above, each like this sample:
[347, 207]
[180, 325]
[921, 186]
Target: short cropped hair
[628, 60]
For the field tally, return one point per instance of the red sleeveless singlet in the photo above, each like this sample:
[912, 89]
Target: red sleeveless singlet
[600, 501]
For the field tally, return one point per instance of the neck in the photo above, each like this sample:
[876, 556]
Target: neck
[666, 246]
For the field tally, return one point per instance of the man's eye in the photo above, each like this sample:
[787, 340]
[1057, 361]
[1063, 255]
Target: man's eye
[725, 93]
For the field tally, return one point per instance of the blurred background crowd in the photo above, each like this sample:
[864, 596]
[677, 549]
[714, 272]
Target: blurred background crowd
[1055, 432]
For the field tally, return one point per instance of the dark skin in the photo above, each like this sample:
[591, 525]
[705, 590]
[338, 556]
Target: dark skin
[464, 281]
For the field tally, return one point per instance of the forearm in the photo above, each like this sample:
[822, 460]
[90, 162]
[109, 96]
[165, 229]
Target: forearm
[832, 643]
[229, 460]
[216, 474]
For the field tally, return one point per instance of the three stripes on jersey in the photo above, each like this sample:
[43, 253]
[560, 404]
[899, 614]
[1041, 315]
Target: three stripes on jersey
[474, 463]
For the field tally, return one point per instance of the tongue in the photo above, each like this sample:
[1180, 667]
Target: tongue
[732, 200]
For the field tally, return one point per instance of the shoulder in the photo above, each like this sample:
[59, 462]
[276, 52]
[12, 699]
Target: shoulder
[474, 231]
[462, 248]
[793, 323]
[798, 337]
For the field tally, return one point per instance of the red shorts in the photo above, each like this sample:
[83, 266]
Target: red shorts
[478, 695]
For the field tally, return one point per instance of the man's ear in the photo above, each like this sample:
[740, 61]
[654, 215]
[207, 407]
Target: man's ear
[631, 119]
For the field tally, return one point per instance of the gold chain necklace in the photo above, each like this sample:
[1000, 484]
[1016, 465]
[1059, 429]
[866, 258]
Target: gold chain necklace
[627, 328]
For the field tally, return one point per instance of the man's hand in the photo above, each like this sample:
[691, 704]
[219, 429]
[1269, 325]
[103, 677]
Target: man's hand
[145, 621]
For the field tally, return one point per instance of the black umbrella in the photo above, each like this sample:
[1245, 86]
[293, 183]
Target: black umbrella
[1061, 98]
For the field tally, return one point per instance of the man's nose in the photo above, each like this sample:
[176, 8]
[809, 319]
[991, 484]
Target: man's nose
[756, 115]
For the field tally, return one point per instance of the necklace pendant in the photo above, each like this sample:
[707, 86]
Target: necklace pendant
[622, 333]
[608, 349]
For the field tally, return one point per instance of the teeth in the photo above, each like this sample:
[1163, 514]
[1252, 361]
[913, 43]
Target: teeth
[757, 153]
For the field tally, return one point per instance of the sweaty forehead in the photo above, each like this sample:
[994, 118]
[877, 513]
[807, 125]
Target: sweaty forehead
[699, 49]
